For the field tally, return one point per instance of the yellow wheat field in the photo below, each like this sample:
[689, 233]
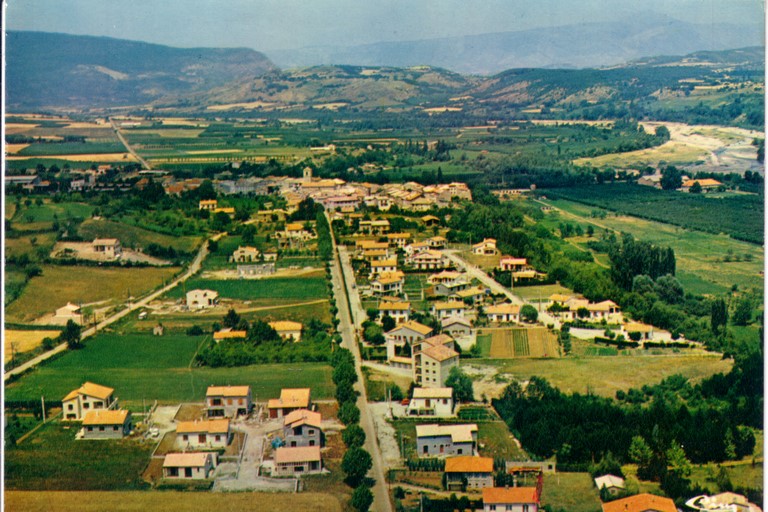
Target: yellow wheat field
[24, 341]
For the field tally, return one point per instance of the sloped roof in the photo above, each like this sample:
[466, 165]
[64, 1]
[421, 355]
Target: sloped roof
[641, 503]
[469, 464]
[291, 397]
[186, 460]
[106, 417]
[432, 392]
[233, 391]
[303, 417]
[511, 495]
[395, 306]
[440, 353]
[285, 325]
[458, 433]
[285, 455]
[90, 389]
[414, 326]
[609, 481]
[453, 304]
[503, 309]
[206, 426]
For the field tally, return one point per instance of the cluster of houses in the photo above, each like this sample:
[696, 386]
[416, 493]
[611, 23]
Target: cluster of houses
[705, 184]
[97, 408]
[568, 308]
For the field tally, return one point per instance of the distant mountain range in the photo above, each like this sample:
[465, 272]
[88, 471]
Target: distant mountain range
[584, 45]
[45, 69]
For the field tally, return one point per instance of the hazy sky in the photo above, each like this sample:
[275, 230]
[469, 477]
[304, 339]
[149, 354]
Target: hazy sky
[284, 24]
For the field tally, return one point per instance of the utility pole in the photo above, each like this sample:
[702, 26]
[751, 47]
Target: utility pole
[42, 401]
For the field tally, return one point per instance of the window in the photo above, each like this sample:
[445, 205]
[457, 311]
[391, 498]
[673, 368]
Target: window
[298, 469]
[86, 405]
[188, 472]
[98, 405]
[90, 429]
[311, 432]
[311, 442]
[201, 438]
[216, 401]
[114, 428]
[218, 437]
[71, 407]
[185, 437]
[229, 401]
[101, 428]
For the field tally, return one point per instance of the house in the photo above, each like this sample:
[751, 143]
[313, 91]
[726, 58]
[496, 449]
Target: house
[706, 184]
[439, 440]
[437, 242]
[448, 309]
[203, 434]
[228, 401]
[228, 333]
[415, 248]
[158, 330]
[370, 255]
[641, 503]
[475, 294]
[449, 288]
[202, 299]
[428, 260]
[362, 245]
[468, 472]
[433, 359]
[109, 247]
[723, 502]
[405, 333]
[431, 402]
[86, 398]
[208, 204]
[430, 220]
[297, 461]
[302, 428]
[245, 254]
[515, 499]
[382, 266]
[510, 264]
[485, 248]
[456, 327]
[287, 329]
[290, 400]
[106, 424]
[399, 311]
[503, 313]
[388, 283]
[446, 276]
[262, 269]
[644, 330]
[374, 227]
[192, 466]
[399, 240]
[612, 484]
[70, 312]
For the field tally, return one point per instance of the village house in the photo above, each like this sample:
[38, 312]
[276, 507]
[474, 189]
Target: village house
[430, 220]
[433, 359]
[474, 295]
[291, 399]
[380, 266]
[503, 313]
[706, 184]
[277, 215]
[456, 327]
[203, 434]
[208, 204]
[374, 227]
[641, 503]
[415, 248]
[645, 331]
[447, 288]
[437, 402]
[86, 398]
[567, 308]
[106, 424]
[446, 276]
[298, 461]
[288, 329]
[445, 440]
[399, 240]
[388, 283]
[202, 299]
[70, 312]
[441, 310]
[192, 466]
[510, 264]
[108, 247]
[611, 483]
[263, 269]
[428, 260]
[228, 333]
[370, 255]
[437, 242]
[399, 311]
[405, 333]
[485, 248]
[514, 499]
[302, 428]
[245, 254]
[228, 401]
[468, 473]
[364, 245]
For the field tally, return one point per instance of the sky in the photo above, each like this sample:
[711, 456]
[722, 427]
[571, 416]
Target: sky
[266, 25]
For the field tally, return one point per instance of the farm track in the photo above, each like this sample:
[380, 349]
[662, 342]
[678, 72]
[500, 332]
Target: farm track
[128, 147]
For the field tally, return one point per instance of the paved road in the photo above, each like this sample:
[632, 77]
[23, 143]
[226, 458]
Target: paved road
[359, 314]
[192, 269]
[491, 283]
[128, 147]
[343, 294]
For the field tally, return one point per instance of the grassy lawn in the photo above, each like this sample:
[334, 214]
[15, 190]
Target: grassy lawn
[496, 441]
[700, 256]
[574, 492]
[376, 384]
[605, 375]
[135, 237]
[741, 475]
[169, 501]
[48, 212]
[61, 284]
[285, 289]
[144, 367]
[51, 459]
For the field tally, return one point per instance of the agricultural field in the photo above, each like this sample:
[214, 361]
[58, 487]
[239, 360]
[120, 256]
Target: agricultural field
[51, 459]
[34, 217]
[706, 263]
[598, 375]
[135, 237]
[17, 341]
[264, 292]
[167, 501]
[83, 285]
[145, 367]
[511, 342]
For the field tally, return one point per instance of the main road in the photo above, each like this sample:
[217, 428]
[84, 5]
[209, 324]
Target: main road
[348, 303]
[128, 147]
[192, 269]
